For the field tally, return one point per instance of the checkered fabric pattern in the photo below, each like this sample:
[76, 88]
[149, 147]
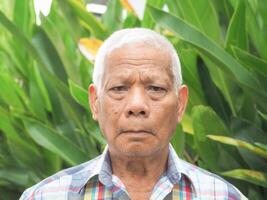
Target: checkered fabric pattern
[94, 180]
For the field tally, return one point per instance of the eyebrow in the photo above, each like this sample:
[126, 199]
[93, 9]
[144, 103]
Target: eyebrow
[147, 76]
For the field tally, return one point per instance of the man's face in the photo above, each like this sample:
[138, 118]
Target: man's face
[138, 107]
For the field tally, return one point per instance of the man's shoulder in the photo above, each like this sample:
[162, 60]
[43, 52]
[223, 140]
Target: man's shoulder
[64, 181]
[206, 183]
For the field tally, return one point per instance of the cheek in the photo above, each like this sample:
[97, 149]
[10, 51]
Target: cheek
[110, 112]
[166, 115]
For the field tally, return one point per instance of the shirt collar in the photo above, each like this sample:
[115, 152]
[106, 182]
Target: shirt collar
[178, 167]
[102, 169]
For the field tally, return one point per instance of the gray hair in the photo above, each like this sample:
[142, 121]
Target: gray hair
[130, 36]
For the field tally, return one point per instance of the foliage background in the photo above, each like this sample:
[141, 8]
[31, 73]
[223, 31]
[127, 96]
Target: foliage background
[45, 121]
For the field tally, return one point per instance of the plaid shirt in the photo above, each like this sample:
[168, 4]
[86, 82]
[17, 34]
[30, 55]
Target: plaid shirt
[94, 180]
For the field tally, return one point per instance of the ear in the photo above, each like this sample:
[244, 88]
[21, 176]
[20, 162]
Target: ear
[93, 101]
[182, 101]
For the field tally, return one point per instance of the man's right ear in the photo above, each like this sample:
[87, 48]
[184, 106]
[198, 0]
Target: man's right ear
[93, 101]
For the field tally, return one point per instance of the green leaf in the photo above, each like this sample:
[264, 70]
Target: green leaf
[205, 122]
[55, 142]
[112, 17]
[239, 143]
[262, 146]
[17, 177]
[79, 94]
[178, 141]
[250, 61]
[257, 32]
[49, 55]
[213, 95]
[251, 176]
[191, 35]
[22, 15]
[30, 48]
[7, 127]
[249, 132]
[147, 21]
[237, 33]
[43, 90]
[188, 59]
[96, 28]
[11, 92]
[202, 15]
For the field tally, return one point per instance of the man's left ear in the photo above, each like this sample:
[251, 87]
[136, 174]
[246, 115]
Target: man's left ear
[182, 101]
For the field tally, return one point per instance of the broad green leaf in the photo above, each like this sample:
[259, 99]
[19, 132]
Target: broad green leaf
[30, 48]
[257, 32]
[237, 33]
[249, 132]
[202, 15]
[226, 84]
[174, 8]
[255, 177]
[10, 92]
[53, 162]
[68, 20]
[63, 47]
[49, 54]
[250, 61]
[43, 90]
[26, 154]
[7, 127]
[239, 143]
[217, 54]
[224, 9]
[188, 59]
[178, 141]
[262, 7]
[96, 28]
[55, 142]
[130, 21]
[262, 146]
[79, 94]
[247, 110]
[147, 21]
[213, 95]
[17, 177]
[264, 116]
[112, 17]
[22, 15]
[205, 122]
[21, 149]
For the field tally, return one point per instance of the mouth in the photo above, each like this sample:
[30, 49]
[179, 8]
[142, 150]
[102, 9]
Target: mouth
[136, 132]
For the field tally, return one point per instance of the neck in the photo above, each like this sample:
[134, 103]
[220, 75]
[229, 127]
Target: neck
[139, 174]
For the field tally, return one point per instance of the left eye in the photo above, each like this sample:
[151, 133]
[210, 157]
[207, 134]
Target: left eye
[156, 88]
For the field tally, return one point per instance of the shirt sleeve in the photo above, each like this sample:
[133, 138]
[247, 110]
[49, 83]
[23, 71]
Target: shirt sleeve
[28, 194]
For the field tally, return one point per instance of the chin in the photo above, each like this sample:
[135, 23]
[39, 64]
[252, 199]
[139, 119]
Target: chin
[138, 151]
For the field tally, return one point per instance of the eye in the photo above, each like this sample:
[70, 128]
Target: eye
[156, 88]
[119, 88]
[156, 92]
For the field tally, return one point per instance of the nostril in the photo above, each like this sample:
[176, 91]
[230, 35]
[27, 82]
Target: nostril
[142, 112]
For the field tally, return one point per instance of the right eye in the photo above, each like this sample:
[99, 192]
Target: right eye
[119, 89]
[118, 92]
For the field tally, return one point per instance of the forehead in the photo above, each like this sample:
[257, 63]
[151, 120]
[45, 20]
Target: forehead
[139, 57]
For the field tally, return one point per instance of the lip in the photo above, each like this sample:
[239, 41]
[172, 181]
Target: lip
[136, 133]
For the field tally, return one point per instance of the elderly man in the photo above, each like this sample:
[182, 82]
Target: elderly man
[137, 99]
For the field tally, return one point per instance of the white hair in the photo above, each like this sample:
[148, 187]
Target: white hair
[130, 36]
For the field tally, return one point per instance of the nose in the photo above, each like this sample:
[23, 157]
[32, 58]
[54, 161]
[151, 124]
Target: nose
[137, 104]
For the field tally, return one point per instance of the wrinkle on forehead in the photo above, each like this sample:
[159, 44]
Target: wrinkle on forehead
[138, 57]
[144, 75]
